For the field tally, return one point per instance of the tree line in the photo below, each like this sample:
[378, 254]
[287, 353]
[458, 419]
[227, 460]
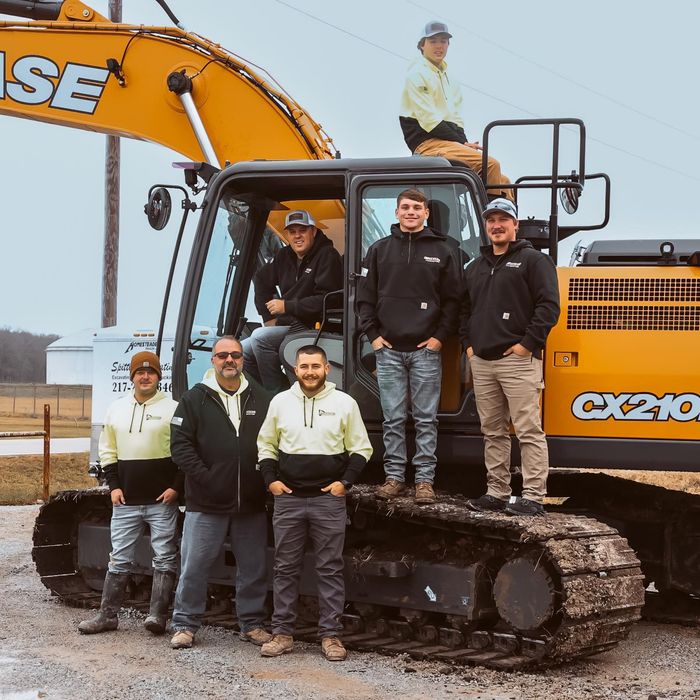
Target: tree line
[23, 356]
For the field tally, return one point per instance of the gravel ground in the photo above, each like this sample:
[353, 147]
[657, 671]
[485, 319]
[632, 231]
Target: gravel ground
[43, 656]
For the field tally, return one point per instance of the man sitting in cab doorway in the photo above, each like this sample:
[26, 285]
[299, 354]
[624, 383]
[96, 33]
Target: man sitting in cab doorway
[303, 272]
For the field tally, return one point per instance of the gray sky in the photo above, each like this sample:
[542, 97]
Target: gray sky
[627, 68]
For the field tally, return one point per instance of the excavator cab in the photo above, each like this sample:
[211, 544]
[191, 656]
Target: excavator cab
[353, 203]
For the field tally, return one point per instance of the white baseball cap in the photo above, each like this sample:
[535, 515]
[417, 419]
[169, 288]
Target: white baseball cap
[501, 204]
[300, 217]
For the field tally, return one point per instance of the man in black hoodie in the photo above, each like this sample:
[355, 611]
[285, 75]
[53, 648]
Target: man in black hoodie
[511, 303]
[303, 272]
[213, 441]
[408, 302]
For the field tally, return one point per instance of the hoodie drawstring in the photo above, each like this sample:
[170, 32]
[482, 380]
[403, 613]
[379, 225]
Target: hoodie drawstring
[133, 412]
[313, 403]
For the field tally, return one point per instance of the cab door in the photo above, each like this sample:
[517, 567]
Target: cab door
[454, 200]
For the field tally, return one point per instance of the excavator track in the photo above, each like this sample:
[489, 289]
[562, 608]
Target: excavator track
[503, 592]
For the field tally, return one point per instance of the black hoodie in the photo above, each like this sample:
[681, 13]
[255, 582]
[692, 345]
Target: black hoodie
[409, 290]
[302, 283]
[508, 299]
[220, 466]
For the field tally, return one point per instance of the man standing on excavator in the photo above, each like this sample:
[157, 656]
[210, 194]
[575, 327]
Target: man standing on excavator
[431, 106]
[144, 486]
[511, 303]
[407, 301]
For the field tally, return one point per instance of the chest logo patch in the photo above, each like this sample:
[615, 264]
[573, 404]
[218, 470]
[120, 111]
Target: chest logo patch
[176, 420]
[431, 259]
[423, 305]
[308, 270]
[150, 416]
[250, 412]
[506, 315]
[513, 264]
[321, 412]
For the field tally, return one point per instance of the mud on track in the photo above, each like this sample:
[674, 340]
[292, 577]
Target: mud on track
[42, 655]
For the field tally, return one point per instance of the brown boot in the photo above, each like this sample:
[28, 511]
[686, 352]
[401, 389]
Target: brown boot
[425, 493]
[390, 489]
[278, 645]
[257, 636]
[333, 649]
[182, 639]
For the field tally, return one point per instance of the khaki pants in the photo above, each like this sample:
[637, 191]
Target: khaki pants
[505, 390]
[471, 158]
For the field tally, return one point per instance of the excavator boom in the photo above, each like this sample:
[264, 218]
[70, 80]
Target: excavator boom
[85, 72]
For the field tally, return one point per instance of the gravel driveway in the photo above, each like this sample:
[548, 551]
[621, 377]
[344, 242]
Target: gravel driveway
[43, 656]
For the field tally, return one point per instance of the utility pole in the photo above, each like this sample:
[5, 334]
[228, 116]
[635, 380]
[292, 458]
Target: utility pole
[110, 259]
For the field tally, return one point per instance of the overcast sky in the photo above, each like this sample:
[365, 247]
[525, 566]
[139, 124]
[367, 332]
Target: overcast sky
[627, 68]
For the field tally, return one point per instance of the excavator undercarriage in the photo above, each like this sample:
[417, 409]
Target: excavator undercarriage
[466, 588]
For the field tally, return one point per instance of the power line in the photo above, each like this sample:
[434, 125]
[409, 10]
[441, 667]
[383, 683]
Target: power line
[562, 76]
[483, 92]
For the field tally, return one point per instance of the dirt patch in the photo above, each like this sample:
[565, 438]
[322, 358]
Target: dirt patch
[21, 476]
[674, 481]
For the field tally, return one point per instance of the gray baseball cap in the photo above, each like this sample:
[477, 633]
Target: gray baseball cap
[300, 217]
[433, 28]
[501, 204]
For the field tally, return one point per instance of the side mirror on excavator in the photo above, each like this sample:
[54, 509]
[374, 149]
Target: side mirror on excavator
[158, 208]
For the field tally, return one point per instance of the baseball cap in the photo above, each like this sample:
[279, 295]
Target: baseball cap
[300, 217]
[145, 359]
[433, 28]
[501, 204]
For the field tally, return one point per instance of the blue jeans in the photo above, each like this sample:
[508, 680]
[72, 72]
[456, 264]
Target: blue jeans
[261, 356]
[202, 539]
[413, 377]
[321, 520]
[128, 524]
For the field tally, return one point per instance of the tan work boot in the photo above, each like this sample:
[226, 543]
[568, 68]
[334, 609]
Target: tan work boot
[333, 649]
[278, 645]
[425, 493]
[257, 636]
[390, 489]
[182, 639]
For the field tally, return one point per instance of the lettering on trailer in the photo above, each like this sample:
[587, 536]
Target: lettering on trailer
[593, 405]
[37, 79]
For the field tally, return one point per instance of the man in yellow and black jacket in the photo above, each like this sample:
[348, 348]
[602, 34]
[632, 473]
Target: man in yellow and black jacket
[312, 447]
[144, 486]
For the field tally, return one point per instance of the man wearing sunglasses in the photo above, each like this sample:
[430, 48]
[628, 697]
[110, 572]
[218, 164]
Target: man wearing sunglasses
[213, 441]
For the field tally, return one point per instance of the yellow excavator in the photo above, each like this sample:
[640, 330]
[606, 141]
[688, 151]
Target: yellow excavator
[438, 582]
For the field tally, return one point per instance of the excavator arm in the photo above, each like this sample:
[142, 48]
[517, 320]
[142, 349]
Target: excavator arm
[158, 84]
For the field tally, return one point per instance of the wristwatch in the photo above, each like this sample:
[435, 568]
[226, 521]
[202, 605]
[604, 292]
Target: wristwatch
[346, 484]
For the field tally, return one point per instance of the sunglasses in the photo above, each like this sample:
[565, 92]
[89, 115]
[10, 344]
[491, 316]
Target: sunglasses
[235, 355]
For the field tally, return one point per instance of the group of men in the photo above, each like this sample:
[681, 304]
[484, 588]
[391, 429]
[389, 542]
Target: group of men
[227, 441]
[310, 444]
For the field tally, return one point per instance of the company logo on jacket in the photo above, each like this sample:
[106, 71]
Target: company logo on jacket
[513, 264]
[321, 412]
[430, 259]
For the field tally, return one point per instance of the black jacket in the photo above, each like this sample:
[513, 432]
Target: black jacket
[410, 289]
[302, 283]
[414, 134]
[220, 466]
[508, 299]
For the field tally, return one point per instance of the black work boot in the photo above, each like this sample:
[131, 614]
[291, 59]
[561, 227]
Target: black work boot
[112, 597]
[161, 592]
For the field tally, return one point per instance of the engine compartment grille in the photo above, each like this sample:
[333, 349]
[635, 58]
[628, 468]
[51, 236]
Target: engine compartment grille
[633, 289]
[633, 318]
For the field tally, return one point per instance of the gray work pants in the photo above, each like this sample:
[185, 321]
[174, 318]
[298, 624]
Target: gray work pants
[321, 519]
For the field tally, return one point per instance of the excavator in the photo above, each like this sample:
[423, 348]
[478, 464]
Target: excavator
[435, 582]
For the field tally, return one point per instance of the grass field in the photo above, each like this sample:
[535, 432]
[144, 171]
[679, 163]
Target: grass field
[60, 427]
[20, 477]
[29, 400]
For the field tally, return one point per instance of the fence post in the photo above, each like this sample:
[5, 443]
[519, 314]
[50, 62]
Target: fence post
[47, 450]
[82, 410]
[34, 403]
[14, 399]
[58, 400]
